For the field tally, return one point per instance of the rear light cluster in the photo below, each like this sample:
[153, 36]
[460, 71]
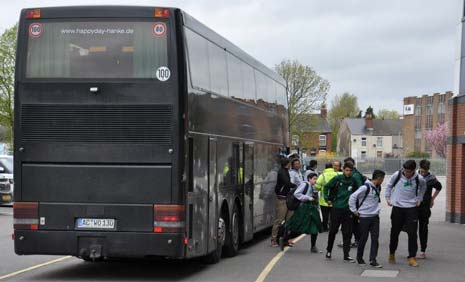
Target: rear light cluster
[26, 215]
[168, 218]
[33, 14]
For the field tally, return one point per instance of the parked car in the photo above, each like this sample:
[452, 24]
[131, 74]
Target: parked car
[6, 179]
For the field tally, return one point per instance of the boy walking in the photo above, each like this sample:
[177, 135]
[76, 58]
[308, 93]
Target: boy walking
[337, 193]
[404, 194]
[364, 203]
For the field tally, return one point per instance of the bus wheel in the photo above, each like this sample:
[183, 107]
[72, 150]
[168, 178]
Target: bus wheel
[231, 246]
[215, 256]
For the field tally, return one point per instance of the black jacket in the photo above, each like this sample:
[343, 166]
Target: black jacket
[283, 184]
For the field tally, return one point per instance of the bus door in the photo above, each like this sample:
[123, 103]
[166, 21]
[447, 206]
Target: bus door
[212, 196]
[248, 191]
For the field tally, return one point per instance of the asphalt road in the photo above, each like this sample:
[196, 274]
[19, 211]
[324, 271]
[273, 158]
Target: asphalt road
[296, 264]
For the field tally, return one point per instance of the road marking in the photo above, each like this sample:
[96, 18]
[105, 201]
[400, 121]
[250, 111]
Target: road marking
[34, 267]
[275, 260]
[5, 213]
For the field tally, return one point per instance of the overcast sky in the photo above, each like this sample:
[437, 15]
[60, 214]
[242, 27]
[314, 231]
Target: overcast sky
[379, 50]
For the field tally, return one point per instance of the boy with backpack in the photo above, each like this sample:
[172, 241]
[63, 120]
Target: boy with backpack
[404, 193]
[424, 210]
[337, 193]
[364, 204]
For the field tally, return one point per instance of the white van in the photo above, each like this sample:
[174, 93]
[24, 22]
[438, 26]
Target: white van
[6, 179]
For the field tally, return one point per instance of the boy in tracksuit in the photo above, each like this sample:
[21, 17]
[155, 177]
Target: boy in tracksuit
[404, 194]
[337, 193]
[364, 203]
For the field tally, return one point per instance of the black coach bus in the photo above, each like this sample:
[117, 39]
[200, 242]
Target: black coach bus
[140, 132]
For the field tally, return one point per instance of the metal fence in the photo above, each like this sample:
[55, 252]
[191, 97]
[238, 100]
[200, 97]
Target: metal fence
[366, 166]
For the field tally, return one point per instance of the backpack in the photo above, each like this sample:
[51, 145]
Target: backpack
[333, 191]
[359, 204]
[292, 202]
[417, 181]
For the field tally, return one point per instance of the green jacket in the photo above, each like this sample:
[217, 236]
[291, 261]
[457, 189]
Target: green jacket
[358, 175]
[322, 180]
[344, 190]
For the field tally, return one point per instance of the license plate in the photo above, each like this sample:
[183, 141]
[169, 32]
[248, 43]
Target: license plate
[6, 197]
[95, 223]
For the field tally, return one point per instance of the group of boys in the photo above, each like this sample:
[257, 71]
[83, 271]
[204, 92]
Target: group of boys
[350, 201]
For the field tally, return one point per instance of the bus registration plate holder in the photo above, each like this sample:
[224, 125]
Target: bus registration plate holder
[96, 223]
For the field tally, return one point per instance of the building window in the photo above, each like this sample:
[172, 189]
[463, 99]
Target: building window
[379, 142]
[418, 122]
[379, 154]
[418, 107]
[364, 141]
[323, 141]
[429, 122]
[417, 134]
[364, 155]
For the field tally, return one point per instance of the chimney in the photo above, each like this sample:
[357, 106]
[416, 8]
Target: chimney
[323, 111]
[369, 118]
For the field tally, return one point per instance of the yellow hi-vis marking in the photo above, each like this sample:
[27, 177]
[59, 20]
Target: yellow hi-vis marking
[34, 267]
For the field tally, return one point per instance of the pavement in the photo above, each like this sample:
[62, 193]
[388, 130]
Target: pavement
[445, 260]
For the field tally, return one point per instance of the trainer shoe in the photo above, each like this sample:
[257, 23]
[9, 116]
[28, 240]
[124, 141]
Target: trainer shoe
[314, 250]
[328, 255]
[392, 258]
[412, 262]
[361, 262]
[349, 259]
[274, 244]
[422, 255]
[376, 264]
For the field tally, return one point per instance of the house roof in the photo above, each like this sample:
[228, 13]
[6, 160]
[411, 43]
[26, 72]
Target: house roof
[381, 127]
[317, 124]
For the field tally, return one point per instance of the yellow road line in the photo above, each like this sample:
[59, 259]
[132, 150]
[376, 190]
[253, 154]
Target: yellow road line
[34, 267]
[275, 260]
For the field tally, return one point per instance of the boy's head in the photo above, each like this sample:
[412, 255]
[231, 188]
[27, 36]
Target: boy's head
[378, 177]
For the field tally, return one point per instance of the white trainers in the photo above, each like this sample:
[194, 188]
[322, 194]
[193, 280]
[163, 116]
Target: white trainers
[422, 255]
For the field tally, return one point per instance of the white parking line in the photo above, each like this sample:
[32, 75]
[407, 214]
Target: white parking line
[275, 260]
[34, 267]
[6, 213]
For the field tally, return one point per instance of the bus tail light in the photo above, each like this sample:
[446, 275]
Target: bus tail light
[26, 215]
[168, 218]
[161, 13]
[33, 14]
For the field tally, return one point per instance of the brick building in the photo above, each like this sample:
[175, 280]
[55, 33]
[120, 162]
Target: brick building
[420, 115]
[455, 204]
[316, 134]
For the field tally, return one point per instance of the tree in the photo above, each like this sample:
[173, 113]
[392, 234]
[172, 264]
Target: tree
[388, 114]
[438, 139]
[345, 105]
[7, 72]
[306, 92]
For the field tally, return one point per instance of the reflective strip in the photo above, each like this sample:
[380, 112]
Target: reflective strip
[25, 221]
[169, 224]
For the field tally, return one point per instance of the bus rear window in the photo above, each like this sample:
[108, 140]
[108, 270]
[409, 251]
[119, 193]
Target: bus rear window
[96, 49]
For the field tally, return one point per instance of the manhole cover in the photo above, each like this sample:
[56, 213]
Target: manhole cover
[380, 273]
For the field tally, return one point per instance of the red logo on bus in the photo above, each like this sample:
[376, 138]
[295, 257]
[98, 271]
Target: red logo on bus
[159, 29]
[35, 30]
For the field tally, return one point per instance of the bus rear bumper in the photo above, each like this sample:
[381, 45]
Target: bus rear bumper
[102, 244]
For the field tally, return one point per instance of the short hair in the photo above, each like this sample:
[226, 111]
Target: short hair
[425, 164]
[285, 161]
[313, 163]
[293, 161]
[410, 165]
[348, 165]
[311, 175]
[377, 173]
[328, 165]
[349, 159]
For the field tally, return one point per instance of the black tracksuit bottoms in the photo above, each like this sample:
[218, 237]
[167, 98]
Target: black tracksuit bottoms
[368, 225]
[409, 218]
[340, 217]
[424, 213]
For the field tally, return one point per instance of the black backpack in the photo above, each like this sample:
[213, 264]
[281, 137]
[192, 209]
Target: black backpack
[417, 181]
[292, 202]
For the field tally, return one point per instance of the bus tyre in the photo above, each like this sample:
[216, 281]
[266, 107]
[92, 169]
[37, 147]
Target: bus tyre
[215, 256]
[231, 245]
